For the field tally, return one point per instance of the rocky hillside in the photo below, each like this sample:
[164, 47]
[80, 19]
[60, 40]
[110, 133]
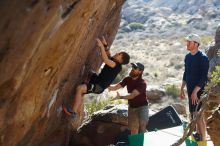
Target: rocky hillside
[176, 17]
[46, 48]
[153, 30]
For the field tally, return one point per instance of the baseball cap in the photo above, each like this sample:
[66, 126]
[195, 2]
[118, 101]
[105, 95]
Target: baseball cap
[138, 65]
[194, 38]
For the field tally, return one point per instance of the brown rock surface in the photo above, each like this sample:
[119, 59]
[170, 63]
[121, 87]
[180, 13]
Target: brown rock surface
[180, 108]
[46, 48]
[103, 128]
[212, 51]
[213, 121]
[213, 127]
[214, 94]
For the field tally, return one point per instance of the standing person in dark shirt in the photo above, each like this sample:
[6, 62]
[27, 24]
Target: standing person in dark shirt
[137, 100]
[98, 83]
[194, 78]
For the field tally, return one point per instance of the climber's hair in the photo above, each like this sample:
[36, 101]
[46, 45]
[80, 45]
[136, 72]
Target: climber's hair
[125, 57]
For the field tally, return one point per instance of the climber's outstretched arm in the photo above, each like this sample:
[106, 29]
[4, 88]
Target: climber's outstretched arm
[105, 58]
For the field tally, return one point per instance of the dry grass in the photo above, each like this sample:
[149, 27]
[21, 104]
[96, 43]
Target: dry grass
[163, 59]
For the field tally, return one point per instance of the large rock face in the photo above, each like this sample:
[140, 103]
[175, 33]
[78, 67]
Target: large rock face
[214, 119]
[214, 93]
[213, 127]
[46, 48]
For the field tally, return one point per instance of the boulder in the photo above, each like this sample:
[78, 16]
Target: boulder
[180, 108]
[214, 93]
[103, 128]
[46, 49]
[212, 52]
[213, 127]
[155, 93]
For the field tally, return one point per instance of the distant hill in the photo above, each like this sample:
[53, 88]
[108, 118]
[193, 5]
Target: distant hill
[176, 17]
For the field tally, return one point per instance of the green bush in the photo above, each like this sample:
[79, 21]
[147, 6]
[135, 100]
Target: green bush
[219, 52]
[125, 29]
[178, 66]
[172, 90]
[206, 39]
[214, 77]
[136, 25]
[96, 104]
[155, 75]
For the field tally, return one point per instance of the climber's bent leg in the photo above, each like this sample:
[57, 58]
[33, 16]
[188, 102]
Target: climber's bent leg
[80, 90]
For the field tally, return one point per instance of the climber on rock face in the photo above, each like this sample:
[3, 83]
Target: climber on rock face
[98, 83]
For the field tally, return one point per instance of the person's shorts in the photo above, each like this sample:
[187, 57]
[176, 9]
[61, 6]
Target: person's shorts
[93, 86]
[135, 115]
[192, 108]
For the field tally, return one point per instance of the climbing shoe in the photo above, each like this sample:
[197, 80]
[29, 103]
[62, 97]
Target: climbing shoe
[68, 111]
[197, 136]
